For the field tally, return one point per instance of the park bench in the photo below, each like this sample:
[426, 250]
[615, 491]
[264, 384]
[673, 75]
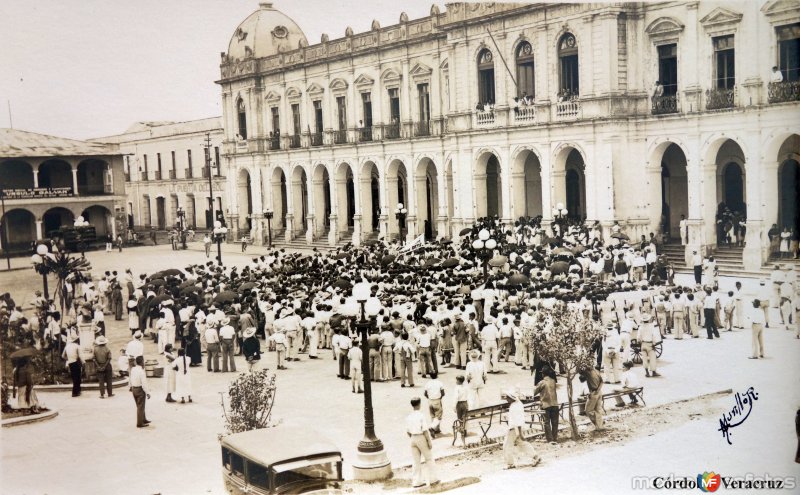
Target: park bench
[581, 402]
[485, 416]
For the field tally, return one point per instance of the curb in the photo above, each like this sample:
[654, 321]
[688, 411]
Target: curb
[67, 387]
[34, 418]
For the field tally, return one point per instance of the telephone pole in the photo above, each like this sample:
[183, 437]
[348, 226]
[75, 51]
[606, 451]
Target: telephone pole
[210, 182]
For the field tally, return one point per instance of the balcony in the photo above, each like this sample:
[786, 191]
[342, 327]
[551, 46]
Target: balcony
[206, 172]
[127, 176]
[422, 129]
[781, 92]
[717, 99]
[187, 172]
[484, 118]
[364, 134]
[391, 131]
[143, 176]
[316, 139]
[568, 109]
[525, 115]
[666, 104]
[158, 174]
[274, 143]
[340, 136]
[293, 142]
[173, 174]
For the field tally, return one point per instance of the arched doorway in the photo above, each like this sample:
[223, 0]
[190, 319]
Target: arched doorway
[55, 218]
[346, 197]
[161, 212]
[300, 198]
[279, 197]
[321, 187]
[789, 192]
[19, 230]
[733, 186]
[245, 194]
[527, 185]
[488, 188]
[16, 174]
[100, 218]
[94, 178]
[427, 197]
[575, 185]
[370, 197]
[396, 184]
[731, 179]
[55, 174]
[674, 189]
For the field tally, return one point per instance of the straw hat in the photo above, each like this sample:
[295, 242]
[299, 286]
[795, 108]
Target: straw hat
[249, 332]
[101, 340]
[137, 335]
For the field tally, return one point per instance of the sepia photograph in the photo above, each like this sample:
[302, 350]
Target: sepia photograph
[348, 247]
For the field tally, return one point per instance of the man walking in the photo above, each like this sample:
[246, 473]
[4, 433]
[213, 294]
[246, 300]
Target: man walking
[140, 390]
[757, 321]
[421, 445]
[434, 391]
[514, 442]
[72, 355]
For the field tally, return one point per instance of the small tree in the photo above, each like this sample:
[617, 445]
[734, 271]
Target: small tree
[566, 336]
[250, 399]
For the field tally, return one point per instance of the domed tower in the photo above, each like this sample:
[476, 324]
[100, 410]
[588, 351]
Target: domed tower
[265, 32]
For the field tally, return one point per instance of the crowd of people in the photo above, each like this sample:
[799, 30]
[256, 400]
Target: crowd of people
[438, 304]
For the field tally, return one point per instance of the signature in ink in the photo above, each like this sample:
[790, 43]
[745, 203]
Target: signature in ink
[738, 413]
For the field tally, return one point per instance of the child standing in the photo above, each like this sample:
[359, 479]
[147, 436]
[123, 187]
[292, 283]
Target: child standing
[279, 339]
[354, 355]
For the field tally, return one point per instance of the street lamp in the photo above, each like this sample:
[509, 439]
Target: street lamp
[560, 217]
[268, 215]
[41, 266]
[400, 214]
[219, 235]
[181, 216]
[484, 247]
[372, 462]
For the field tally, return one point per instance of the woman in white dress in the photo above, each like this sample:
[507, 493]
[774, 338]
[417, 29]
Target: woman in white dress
[183, 377]
[475, 374]
[786, 237]
[133, 315]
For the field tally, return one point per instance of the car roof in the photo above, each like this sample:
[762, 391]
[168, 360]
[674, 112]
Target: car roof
[278, 444]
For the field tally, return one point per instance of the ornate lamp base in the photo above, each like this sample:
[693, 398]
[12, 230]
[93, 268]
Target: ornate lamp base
[372, 466]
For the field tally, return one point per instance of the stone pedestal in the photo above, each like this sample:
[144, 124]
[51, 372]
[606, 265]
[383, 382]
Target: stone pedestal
[383, 224]
[289, 233]
[755, 250]
[333, 233]
[309, 228]
[356, 230]
[372, 466]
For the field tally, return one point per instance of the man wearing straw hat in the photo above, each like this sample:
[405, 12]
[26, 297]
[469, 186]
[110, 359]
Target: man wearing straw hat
[102, 361]
[515, 443]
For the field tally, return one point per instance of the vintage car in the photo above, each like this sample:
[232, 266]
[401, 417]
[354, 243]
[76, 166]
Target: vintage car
[280, 460]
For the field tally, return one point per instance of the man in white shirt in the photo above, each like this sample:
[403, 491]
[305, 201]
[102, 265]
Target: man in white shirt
[629, 381]
[611, 362]
[757, 322]
[212, 348]
[424, 349]
[135, 347]
[355, 355]
[344, 343]
[489, 338]
[683, 227]
[227, 334]
[434, 391]
[648, 335]
[140, 390]
[709, 312]
[421, 445]
[514, 443]
[387, 342]
[72, 356]
[776, 76]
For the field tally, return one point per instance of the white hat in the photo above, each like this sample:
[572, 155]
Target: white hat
[249, 332]
[101, 340]
[132, 303]
[138, 334]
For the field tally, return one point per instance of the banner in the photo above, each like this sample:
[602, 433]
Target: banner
[419, 241]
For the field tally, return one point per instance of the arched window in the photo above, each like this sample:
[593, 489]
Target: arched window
[240, 111]
[525, 82]
[568, 59]
[485, 77]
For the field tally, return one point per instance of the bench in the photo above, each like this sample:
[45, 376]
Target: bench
[484, 416]
[581, 402]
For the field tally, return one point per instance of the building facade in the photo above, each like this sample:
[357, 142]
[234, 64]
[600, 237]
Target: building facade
[48, 182]
[332, 137]
[167, 167]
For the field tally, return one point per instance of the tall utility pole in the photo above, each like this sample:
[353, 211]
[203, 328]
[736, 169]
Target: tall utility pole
[3, 229]
[210, 183]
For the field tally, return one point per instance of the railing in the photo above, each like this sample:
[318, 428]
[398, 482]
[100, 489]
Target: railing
[364, 134]
[484, 117]
[316, 139]
[294, 141]
[780, 92]
[568, 109]
[127, 176]
[173, 175]
[664, 104]
[158, 174]
[720, 98]
[525, 115]
[391, 131]
[206, 172]
[340, 136]
[422, 128]
[143, 176]
[187, 172]
[274, 143]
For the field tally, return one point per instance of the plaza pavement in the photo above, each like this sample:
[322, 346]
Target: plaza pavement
[93, 445]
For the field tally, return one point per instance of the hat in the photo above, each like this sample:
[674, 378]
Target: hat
[610, 326]
[646, 317]
[512, 394]
[629, 314]
[101, 340]
[474, 354]
[74, 337]
[138, 334]
[249, 332]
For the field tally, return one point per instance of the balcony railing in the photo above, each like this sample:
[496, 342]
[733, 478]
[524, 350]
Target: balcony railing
[143, 176]
[484, 117]
[127, 176]
[720, 98]
[316, 139]
[423, 128]
[568, 109]
[158, 174]
[391, 131]
[274, 143]
[780, 92]
[187, 172]
[340, 136]
[293, 141]
[525, 115]
[206, 172]
[665, 104]
[173, 174]
[364, 134]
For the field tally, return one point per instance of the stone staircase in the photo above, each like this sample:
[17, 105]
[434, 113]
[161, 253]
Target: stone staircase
[320, 242]
[729, 261]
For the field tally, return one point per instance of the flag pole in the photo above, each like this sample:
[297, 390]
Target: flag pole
[502, 58]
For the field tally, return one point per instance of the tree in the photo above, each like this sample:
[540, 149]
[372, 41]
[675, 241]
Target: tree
[565, 336]
[250, 399]
[66, 268]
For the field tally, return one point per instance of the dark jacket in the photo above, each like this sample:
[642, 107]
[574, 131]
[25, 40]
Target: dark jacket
[252, 349]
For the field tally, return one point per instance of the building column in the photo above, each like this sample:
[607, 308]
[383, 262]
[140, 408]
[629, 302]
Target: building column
[39, 235]
[442, 220]
[357, 229]
[113, 224]
[75, 180]
[505, 186]
[289, 233]
[35, 168]
[333, 234]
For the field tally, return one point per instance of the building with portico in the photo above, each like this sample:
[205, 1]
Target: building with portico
[47, 182]
[331, 137]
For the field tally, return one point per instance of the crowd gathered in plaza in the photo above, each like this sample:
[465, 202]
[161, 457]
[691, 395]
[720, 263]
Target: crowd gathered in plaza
[467, 305]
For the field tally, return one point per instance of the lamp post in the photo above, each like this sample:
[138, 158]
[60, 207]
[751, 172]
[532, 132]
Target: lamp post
[219, 234]
[40, 265]
[372, 462]
[400, 214]
[181, 216]
[484, 247]
[560, 216]
[268, 215]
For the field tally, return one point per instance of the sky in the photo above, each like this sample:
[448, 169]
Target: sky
[90, 68]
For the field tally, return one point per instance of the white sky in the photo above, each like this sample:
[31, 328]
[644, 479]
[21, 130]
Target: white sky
[91, 68]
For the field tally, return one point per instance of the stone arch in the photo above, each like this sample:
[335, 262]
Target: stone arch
[280, 198]
[730, 180]
[18, 230]
[244, 188]
[345, 195]
[398, 191]
[101, 218]
[16, 174]
[487, 179]
[300, 198]
[526, 183]
[55, 173]
[323, 196]
[569, 179]
[94, 177]
[789, 183]
[370, 186]
[672, 160]
[55, 218]
[427, 177]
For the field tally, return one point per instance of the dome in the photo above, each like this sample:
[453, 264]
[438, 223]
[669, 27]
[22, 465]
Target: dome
[264, 33]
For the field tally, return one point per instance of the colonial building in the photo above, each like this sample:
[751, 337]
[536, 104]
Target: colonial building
[167, 167]
[47, 182]
[330, 137]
